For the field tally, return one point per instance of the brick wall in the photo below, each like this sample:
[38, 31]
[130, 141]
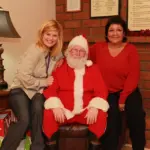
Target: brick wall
[80, 22]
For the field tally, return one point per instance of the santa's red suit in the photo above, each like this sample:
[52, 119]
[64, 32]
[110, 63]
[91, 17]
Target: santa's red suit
[75, 91]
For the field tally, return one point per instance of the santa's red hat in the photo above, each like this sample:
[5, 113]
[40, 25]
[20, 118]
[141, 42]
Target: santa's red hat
[80, 41]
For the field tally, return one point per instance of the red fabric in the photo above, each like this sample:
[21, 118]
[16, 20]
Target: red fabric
[28, 133]
[119, 73]
[50, 126]
[5, 120]
[63, 86]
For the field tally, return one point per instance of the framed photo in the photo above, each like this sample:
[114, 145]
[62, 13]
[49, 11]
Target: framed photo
[73, 5]
[138, 15]
[104, 8]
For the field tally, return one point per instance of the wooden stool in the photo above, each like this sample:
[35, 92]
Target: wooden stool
[73, 137]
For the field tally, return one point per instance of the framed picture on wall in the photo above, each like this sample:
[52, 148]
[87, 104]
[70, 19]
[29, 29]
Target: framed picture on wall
[138, 15]
[104, 8]
[73, 5]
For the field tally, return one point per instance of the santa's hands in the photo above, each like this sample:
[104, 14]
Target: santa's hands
[50, 80]
[91, 115]
[59, 114]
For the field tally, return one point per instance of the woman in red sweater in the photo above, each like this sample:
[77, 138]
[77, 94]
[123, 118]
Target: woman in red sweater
[119, 64]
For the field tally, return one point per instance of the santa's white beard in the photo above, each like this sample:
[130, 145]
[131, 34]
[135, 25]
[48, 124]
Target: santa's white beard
[76, 63]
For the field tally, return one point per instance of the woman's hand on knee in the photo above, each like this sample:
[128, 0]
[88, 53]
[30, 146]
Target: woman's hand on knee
[121, 107]
[59, 114]
[50, 80]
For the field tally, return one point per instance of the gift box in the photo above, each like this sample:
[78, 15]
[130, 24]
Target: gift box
[10, 113]
[6, 117]
[5, 121]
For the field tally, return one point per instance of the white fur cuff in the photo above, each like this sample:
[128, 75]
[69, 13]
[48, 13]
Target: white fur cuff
[68, 114]
[53, 102]
[99, 103]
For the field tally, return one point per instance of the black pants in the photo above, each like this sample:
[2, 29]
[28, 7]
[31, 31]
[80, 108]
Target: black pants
[30, 115]
[135, 120]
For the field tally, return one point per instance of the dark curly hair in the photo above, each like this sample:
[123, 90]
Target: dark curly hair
[116, 20]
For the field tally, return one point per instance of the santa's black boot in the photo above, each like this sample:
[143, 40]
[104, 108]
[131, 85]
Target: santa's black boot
[94, 143]
[51, 146]
[52, 143]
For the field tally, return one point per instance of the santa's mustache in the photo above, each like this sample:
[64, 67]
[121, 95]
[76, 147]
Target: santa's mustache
[76, 63]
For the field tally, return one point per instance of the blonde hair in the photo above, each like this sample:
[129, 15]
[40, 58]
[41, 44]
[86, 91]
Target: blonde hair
[51, 25]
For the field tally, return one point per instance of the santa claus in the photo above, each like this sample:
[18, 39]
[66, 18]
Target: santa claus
[77, 94]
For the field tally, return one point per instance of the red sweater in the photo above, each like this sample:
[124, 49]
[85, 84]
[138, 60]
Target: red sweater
[120, 72]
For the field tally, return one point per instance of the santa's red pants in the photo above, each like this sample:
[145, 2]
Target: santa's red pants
[50, 126]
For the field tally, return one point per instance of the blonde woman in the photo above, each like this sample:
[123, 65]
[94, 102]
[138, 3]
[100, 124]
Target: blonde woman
[32, 76]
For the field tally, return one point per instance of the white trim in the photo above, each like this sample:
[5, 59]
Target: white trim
[53, 102]
[68, 114]
[89, 63]
[80, 41]
[99, 103]
[78, 90]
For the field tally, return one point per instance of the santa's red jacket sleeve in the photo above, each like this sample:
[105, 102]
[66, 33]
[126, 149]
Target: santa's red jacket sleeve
[51, 95]
[99, 92]
[99, 99]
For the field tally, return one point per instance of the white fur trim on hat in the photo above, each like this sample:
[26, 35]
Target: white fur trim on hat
[89, 63]
[80, 41]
